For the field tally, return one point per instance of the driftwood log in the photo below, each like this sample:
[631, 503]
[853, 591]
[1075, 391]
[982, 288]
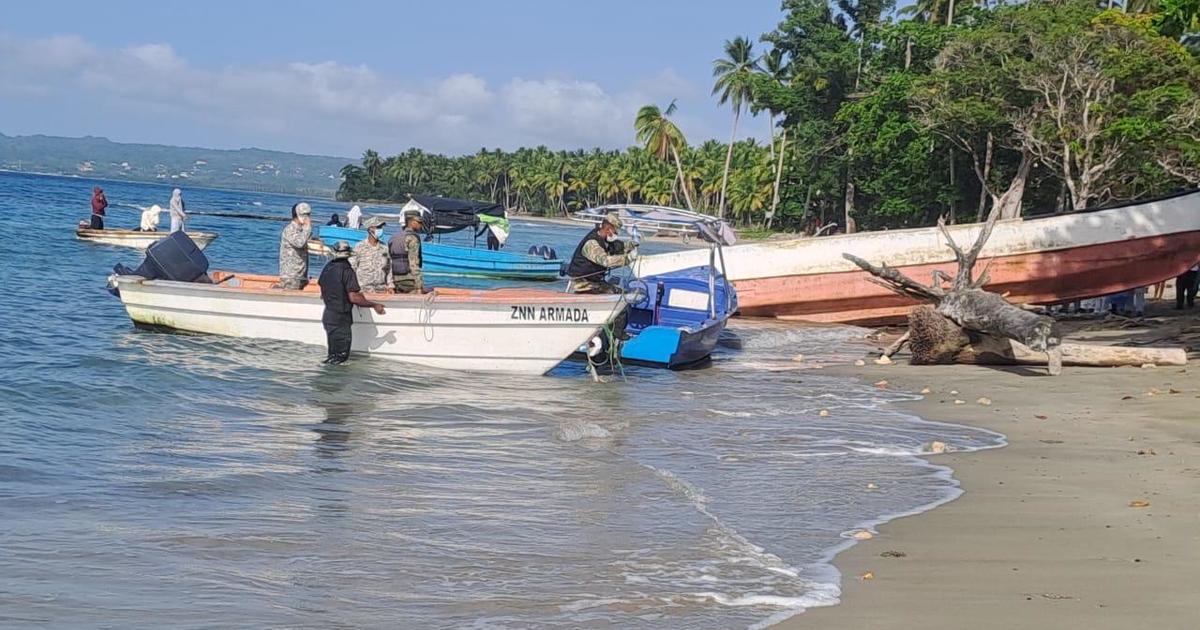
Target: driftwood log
[933, 339]
[967, 324]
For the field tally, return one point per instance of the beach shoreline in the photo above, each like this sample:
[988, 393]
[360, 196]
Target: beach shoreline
[1050, 531]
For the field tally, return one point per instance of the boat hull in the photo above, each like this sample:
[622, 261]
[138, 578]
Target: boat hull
[518, 331]
[138, 240]
[452, 260]
[1035, 261]
[671, 347]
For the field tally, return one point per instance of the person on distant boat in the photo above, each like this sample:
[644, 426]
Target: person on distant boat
[99, 203]
[405, 254]
[178, 211]
[340, 291]
[371, 260]
[293, 248]
[497, 229]
[354, 217]
[150, 219]
[335, 221]
[598, 253]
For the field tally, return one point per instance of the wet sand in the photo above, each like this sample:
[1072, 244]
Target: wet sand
[1045, 535]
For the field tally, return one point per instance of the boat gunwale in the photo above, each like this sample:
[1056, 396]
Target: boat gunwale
[505, 295]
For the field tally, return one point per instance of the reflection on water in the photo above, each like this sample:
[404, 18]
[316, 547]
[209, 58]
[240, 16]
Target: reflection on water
[150, 479]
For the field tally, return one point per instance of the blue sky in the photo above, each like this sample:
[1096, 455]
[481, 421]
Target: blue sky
[334, 78]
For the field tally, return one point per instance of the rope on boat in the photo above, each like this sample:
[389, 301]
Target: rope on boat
[425, 315]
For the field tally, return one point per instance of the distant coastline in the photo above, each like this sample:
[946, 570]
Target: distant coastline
[245, 169]
[168, 186]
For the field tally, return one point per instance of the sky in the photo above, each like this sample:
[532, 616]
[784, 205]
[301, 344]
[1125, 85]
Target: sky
[448, 76]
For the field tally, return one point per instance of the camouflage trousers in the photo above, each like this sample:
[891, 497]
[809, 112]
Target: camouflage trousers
[293, 284]
[406, 285]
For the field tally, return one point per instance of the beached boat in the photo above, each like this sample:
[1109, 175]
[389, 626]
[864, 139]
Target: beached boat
[1043, 260]
[453, 260]
[136, 239]
[676, 319]
[524, 331]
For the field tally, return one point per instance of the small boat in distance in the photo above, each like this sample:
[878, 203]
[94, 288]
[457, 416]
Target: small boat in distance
[520, 331]
[136, 239]
[454, 260]
[1037, 260]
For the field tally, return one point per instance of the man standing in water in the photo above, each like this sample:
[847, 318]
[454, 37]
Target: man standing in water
[341, 293]
[293, 248]
[405, 252]
[598, 253]
[371, 261]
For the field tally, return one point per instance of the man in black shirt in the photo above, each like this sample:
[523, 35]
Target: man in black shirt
[341, 293]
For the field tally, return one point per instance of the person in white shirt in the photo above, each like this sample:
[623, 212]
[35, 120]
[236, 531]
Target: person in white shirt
[150, 219]
[178, 212]
[354, 218]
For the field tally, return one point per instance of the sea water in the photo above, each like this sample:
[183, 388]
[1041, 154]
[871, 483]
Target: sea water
[187, 481]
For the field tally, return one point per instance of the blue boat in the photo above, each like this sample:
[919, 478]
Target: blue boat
[679, 318]
[454, 260]
[675, 321]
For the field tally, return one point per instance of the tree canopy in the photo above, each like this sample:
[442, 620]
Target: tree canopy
[885, 119]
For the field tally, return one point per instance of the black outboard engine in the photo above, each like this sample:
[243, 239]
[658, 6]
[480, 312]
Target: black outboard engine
[175, 257]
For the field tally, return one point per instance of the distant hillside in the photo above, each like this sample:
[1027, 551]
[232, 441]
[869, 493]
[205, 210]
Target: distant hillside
[245, 169]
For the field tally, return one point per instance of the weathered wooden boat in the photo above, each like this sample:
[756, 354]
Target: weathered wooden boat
[676, 319]
[136, 239]
[523, 331]
[1044, 260]
[453, 260]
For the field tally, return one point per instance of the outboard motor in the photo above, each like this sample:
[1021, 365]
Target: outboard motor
[175, 257]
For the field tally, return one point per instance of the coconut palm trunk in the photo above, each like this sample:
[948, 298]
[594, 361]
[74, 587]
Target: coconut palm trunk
[737, 111]
[687, 196]
[778, 176]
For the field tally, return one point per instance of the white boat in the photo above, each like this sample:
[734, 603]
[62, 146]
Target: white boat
[523, 331]
[136, 239]
[1036, 260]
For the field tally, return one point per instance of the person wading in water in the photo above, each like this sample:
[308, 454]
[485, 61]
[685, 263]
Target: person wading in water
[341, 293]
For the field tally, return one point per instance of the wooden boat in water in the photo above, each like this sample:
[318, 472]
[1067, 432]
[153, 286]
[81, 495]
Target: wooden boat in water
[1042, 260]
[453, 260]
[524, 331]
[137, 239]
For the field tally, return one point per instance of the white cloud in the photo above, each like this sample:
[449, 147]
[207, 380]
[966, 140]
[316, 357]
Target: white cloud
[322, 106]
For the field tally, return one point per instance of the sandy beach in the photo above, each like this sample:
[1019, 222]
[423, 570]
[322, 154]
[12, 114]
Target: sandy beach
[1089, 518]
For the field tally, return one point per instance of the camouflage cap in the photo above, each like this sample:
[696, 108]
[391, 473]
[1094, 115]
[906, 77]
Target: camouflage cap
[341, 249]
[613, 219]
[374, 222]
[303, 209]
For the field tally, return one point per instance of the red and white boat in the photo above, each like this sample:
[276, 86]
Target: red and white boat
[1042, 260]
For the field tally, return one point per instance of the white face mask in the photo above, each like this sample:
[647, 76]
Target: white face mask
[610, 238]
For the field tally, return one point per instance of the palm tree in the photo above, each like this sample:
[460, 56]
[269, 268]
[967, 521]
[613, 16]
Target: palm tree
[661, 137]
[733, 73]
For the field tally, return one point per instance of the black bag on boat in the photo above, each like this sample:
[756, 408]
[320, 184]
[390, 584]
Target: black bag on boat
[175, 257]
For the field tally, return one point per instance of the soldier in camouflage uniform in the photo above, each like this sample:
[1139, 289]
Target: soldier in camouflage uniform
[597, 254]
[405, 252]
[371, 261]
[293, 248]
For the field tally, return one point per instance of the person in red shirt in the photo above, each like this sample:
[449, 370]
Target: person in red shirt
[99, 203]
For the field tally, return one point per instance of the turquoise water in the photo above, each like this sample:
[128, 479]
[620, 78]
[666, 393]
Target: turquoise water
[189, 481]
